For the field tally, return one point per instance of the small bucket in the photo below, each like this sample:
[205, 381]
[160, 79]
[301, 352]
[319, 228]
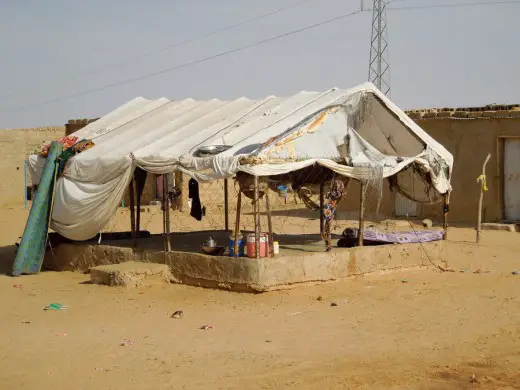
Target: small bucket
[282, 191]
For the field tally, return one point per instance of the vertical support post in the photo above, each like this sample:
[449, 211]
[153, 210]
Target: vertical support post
[132, 213]
[257, 218]
[226, 205]
[322, 201]
[237, 223]
[445, 211]
[138, 213]
[166, 215]
[482, 181]
[269, 223]
[25, 185]
[361, 212]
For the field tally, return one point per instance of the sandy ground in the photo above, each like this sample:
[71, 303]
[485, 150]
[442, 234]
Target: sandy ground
[420, 329]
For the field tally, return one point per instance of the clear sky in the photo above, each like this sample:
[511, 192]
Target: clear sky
[440, 57]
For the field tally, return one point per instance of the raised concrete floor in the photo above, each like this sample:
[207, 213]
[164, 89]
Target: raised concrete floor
[302, 260]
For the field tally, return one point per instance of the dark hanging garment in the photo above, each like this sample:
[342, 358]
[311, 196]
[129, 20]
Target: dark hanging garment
[193, 193]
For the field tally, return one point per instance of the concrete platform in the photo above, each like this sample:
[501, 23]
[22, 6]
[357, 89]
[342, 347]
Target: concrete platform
[302, 261]
[130, 274]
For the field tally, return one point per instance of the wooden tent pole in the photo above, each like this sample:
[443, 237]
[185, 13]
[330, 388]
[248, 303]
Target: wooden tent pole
[269, 223]
[226, 205]
[445, 211]
[164, 206]
[138, 213]
[361, 212]
[132, 213]
[482, 181]
[166, 212]
[237, 223]
[257, 218]
[322, 201]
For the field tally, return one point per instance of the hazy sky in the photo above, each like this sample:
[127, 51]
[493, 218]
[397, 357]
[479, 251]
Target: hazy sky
[439, 56]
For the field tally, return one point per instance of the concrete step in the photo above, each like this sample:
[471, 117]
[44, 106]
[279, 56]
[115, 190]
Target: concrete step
[504, 227]
[130, 274]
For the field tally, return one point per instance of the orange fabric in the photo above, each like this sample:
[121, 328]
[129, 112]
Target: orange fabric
[66, 141]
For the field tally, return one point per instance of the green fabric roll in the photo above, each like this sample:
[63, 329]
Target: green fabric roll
[29, 257]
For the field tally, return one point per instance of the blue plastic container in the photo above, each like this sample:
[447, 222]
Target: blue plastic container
[231, 247]
[282, 191]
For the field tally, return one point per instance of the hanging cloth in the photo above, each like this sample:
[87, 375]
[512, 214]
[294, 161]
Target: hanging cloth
[337, 187]
[193, 193]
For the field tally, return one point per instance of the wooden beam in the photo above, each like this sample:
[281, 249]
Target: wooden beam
[257, 218]
[132, 213]
[237, 223]
[166, 215]
[269, 223]
[482, 181]
[226, 205]
[138, 213]
[322, 201]
[361, 212]
[445, 211]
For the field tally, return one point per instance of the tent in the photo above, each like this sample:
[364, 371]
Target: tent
[358, 133]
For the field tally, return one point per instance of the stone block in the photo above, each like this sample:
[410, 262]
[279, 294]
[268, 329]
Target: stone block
[460, 114]
[475, 114]
[444, 114]
[513, 114]
[130, 274]
[504, 227]
[416, 115]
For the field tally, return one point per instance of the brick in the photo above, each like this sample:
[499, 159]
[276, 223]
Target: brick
[460, 114]
[514, 114]
[416, 115]
[444, 114]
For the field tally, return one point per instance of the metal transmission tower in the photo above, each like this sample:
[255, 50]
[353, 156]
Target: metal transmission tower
[379, 68]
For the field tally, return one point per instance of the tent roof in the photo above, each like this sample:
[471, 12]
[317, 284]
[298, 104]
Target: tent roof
[266, 136]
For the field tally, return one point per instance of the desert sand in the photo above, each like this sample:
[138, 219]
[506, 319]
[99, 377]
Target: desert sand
[415, 329]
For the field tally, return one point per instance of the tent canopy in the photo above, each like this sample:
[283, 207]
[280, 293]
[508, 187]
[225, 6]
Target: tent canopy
[357, 133]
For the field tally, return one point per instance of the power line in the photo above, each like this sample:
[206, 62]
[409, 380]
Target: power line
[241, 48]
[186, 64]
[183, 43]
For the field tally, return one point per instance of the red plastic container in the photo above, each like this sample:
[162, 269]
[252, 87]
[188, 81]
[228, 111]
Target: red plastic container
[251, 245]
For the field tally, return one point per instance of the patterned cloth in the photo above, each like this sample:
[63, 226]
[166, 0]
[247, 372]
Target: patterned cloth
[372, 236]
[82, 145]
[66, 143]
[70, 152]
[337, 187]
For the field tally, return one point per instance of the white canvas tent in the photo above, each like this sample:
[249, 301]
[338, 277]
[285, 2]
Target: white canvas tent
[357, 133]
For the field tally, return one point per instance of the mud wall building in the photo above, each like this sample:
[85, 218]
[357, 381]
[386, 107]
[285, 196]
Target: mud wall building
[15, 146]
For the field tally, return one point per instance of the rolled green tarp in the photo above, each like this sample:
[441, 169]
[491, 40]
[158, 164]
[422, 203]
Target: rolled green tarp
[29, 257]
